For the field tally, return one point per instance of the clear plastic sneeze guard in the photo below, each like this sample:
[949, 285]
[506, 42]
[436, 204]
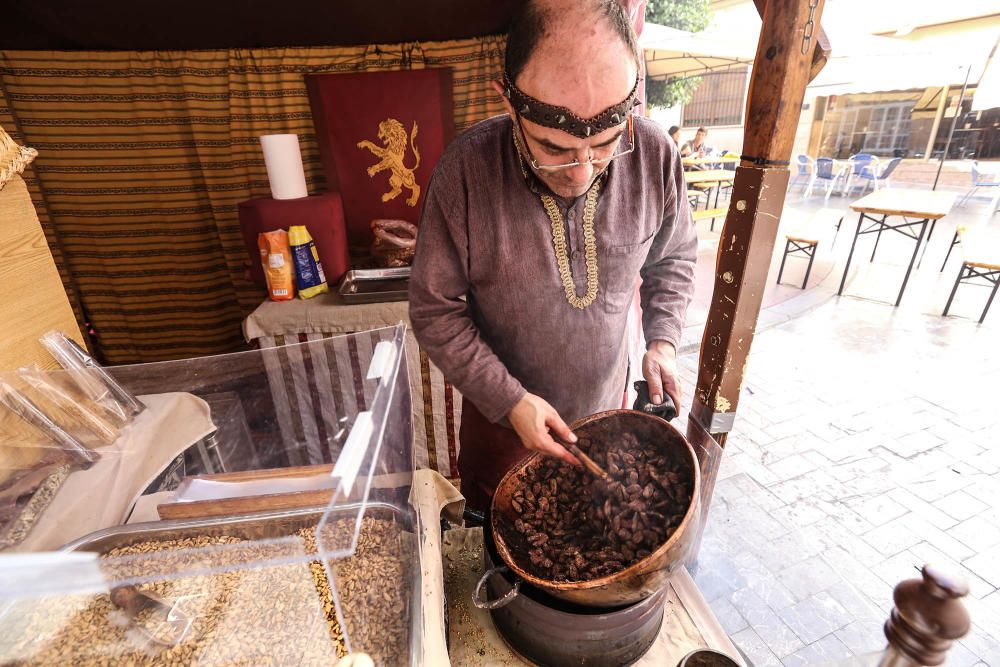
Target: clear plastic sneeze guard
[254, 512]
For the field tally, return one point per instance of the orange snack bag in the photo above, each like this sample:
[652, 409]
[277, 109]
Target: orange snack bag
[276, 257]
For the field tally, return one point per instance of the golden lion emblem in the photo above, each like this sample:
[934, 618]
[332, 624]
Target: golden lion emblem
[392, 134]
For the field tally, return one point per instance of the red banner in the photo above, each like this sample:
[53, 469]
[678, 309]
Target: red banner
[380, 135]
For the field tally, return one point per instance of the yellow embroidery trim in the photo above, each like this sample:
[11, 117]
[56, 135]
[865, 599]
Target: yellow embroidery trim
[559, 238]
[589, 247]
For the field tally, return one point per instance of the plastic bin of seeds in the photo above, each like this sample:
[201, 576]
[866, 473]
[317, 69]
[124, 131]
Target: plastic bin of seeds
[194, 555]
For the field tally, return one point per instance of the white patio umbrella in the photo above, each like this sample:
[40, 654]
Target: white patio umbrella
[676, 53]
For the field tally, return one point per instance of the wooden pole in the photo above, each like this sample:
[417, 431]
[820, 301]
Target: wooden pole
[951, 132]
[786, 60]
[938, 115]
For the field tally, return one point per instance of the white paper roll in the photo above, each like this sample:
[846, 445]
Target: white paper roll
[284, 166]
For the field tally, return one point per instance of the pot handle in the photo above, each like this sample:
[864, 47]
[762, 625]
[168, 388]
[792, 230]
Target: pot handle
[500, 602]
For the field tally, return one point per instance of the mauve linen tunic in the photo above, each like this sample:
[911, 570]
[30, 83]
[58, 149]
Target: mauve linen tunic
[486, 300]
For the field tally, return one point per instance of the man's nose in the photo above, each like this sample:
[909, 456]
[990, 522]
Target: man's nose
[581, 173]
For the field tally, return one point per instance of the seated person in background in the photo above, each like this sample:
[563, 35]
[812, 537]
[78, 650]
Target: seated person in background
[697, 146]
[675, 134]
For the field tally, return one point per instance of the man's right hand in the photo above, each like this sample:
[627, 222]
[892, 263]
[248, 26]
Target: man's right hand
[533, 418]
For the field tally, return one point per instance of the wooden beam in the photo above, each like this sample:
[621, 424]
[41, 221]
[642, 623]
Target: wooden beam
[786, 53]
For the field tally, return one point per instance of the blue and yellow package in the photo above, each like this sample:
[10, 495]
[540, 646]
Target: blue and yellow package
[308, 271]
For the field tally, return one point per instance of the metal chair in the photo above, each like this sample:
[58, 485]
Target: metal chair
[805, 168]
[980, 180]
[827, 169]
[857, 164]
[872, 176]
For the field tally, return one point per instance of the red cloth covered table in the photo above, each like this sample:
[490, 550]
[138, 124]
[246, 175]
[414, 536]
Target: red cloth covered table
[323, 216]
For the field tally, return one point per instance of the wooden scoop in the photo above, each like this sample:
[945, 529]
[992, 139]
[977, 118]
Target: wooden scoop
[588, 462]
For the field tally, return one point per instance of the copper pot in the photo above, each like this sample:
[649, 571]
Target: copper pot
[642, 578]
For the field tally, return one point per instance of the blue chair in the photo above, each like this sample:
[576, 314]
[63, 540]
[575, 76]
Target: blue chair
[980, 180]
[827, 169]
[805, 168]
[871, 176]
[857, 165]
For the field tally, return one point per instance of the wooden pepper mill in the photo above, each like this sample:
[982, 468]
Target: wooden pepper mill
[927, 618]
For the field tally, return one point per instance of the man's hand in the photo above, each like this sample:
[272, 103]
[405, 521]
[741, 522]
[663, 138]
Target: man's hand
[659, 368]
[532, 419]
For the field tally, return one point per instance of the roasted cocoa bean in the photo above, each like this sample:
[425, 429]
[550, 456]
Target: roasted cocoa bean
[577, 528]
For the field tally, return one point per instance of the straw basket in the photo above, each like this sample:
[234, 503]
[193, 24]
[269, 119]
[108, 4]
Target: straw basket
[13, 158]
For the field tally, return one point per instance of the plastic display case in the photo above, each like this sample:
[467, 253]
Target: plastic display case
[296, 542]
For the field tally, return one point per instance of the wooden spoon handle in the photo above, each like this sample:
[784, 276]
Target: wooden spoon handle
[588, 462]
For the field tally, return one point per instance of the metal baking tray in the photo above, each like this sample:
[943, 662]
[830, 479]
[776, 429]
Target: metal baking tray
[375, 285]
[260, 526]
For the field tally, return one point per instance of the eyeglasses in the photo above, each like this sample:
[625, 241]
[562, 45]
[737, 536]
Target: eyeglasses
[620, 149]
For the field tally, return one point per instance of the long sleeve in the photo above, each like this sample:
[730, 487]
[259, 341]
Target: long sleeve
[668, 273]
[440, 317]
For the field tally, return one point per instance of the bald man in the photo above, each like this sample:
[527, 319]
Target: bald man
[537, 227]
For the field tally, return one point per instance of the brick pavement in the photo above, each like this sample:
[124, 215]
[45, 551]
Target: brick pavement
[864, 447]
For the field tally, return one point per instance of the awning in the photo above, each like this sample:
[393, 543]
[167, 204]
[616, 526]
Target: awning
[987, 95]
[862, 63]
[675, 53]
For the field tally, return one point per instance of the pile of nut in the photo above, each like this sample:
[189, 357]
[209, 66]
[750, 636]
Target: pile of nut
[572, 526]
[257, 614]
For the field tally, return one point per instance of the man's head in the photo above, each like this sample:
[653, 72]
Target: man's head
[675, 134]
[700, 136]
[578, 54]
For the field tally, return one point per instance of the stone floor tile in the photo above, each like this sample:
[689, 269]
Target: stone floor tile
[977, 533]
[750, 643]
[892, 537]
[922, 508]
[799, 514]
[937, 485]
[863, 636]
[777, 635]
[729, 616]
[808, 577]
[792, 466]
[826, 650]
[845, 516]
[982, 644]
[815, 617]
[751, 606]
[878, 509]
[959, 655]
[859, 607]
[986, 564]
[897, 568]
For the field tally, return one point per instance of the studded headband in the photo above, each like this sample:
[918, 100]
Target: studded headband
[561, 118]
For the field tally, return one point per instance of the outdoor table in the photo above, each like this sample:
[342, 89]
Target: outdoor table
[917, 208]
[692, 161]
[710, 177]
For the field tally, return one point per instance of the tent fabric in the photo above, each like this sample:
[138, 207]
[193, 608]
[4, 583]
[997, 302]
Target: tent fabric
[127, 25]
[144, 156]
[670, 52]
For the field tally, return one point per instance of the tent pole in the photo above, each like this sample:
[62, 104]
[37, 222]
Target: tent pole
[790, 52]
[954, 122]
[938, 115]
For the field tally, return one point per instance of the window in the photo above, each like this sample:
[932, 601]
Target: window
[877, 123]
[718, 100]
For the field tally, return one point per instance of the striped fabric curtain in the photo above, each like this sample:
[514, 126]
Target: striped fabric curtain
[143, 157]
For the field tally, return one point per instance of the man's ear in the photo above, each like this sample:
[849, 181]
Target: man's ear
[497, 86]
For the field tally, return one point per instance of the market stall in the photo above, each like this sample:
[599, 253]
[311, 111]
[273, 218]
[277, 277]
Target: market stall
[269, 507]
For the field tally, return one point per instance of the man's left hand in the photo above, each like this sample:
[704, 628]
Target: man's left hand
[659, 368]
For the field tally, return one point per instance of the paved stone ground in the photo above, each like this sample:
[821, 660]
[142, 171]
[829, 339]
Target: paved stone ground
[865, 446]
